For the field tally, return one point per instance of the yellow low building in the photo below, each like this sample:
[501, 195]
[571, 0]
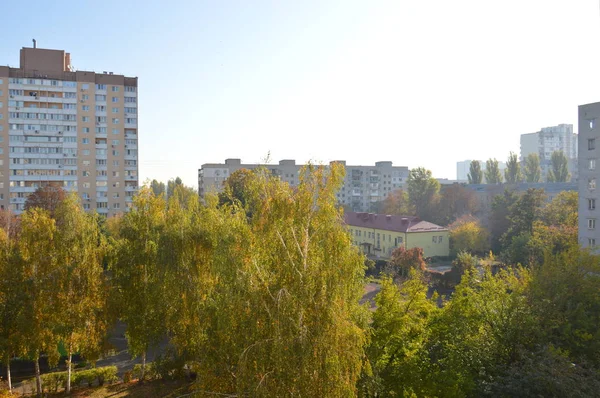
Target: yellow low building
[379, 235]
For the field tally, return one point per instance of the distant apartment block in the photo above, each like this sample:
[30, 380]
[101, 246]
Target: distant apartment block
[589, 196]
[548, 140]
[75, 129]
[463, 169]
[363, 187]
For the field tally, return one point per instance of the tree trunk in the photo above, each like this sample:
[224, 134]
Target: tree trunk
[8, 379]
[38, 377]
[69, 367]
[143, 367]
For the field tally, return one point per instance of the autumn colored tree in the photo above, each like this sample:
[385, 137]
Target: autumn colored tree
[492, 172]
[559, 170]
[512, 173]
[39, 268]
[236, 188]
[137, 273]
[455, 201]
[397, 203]
[403, 260]
[46, 197]
[475, 175]
[469, 235]
[80, 284]
[531, 168]
[284, 313]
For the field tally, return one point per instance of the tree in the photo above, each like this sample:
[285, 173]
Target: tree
[11, 298]
[403, 260]
[559, 171]
[475, 175]
[512, 174]
[499, 218]
[47, 197]
[172, 184]
[468, 235]
[562, 210]
[397, 203]
[39, 268]
[455, 201]
[81, 288]
[284, 317]
[158, 188]
[400, 328]
[423, 191]
[236, 188]
[522, 213]
[137, 273]
[492, 172]
[531, 169]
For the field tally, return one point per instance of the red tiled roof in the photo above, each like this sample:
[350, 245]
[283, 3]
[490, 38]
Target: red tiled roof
[390, 223]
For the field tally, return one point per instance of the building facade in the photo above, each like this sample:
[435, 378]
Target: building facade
[74, 129]
[549, 140]
[589, 153]
[378, 235]
[363, 188]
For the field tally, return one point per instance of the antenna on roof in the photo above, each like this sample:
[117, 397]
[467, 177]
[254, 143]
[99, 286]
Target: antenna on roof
[34, 43]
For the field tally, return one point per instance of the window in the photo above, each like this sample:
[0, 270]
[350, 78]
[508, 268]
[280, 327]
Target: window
[115, 131]
[100, 108]
[592, 123]
[591, 184]
[115, 99]
[115, 89]
[591, 204]
[116, 205]
[69, 84]
[100, 97]
[115, 110]
[115, 173]
[100, 86]
[591, 242]
[100, 119]
[115, 153]
[130, 89]
[85, 130]
[85, 97]
[85, 173]
[591, 144]
[85, 108]
[115, 142]
[434, 239]
[85, 118]
[85, 86]
[115, 120]
[591, 223]
[592, 164]
[86, 184]
[130, 100]
[115, 163]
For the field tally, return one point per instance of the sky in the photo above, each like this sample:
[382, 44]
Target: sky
[420, 83]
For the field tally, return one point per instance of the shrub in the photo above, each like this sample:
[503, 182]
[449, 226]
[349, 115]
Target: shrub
[127, 376]
[54, 381]
[149, 374]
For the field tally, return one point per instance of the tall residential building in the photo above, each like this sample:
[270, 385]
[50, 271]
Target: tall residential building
[364, 186]
[548, 140]
[463, 169]
[589, 153]
[76, 129]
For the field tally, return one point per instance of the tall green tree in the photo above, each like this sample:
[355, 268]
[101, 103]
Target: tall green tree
[475, 175]
[172, 184]
[499, 218]
[455, 201]
[423, 192]
[81, 287]
[559, 168]
[39, 268]
[138, 275]
[531, 168]
[512, 174]
[492, 172]
[158, 188]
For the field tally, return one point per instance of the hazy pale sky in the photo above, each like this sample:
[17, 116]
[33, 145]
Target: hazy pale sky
[420, 82]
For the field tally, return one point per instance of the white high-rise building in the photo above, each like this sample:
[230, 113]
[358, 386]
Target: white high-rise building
[549, 140]
[74, 129]
[589, 176]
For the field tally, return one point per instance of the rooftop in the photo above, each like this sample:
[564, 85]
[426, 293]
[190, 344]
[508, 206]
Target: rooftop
[388, 222]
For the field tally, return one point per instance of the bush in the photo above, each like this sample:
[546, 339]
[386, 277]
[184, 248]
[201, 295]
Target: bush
[149, 374]
[54, 381]
[99, 376]
[127, 376]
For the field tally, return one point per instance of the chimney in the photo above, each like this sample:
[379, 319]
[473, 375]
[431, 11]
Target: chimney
[34, 44]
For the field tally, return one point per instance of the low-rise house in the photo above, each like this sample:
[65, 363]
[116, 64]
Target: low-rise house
[378, 235]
